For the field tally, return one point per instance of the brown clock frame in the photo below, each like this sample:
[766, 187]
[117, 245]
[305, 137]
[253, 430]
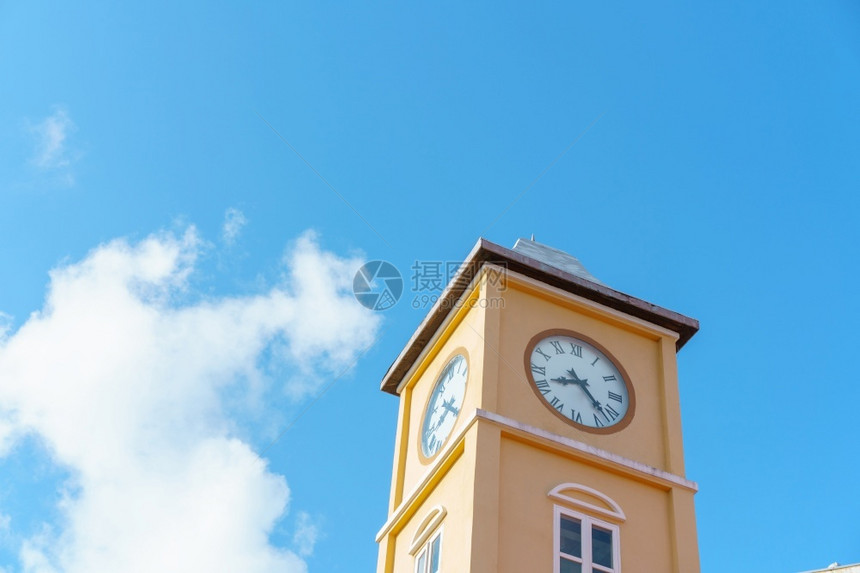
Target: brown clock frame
[631, 408]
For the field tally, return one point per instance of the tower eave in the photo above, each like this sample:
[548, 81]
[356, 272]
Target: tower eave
[486, 252]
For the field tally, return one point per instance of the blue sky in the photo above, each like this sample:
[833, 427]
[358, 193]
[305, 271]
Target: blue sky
[714, 171]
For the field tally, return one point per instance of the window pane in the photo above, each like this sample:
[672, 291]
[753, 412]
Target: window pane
[570, 567]
[571, 536]
[419, 565]
[601, 546]
[434, 555]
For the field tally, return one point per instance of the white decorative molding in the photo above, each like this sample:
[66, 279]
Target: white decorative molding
[444, 458]
[428, 526]
[614, 512]
[649, 473]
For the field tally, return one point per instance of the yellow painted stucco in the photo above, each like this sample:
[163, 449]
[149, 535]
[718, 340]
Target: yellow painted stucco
[507, 450]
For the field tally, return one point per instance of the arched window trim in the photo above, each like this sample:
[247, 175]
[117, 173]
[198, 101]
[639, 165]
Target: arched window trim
[428, 525]
[613, 513]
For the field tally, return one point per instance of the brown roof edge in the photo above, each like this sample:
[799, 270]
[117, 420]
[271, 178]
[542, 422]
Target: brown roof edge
[486, 252]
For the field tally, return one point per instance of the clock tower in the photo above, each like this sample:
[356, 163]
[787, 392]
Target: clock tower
[539, 427]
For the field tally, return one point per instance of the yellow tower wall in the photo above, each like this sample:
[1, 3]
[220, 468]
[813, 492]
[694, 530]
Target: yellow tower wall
[531, 308]
[507, 450]
[463, 334]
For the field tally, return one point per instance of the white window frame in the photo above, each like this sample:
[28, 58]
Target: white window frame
[425, 551]
[587, 523]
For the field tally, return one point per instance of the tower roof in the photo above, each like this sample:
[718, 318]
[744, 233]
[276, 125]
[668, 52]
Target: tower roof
[554, 258]
[546, 264]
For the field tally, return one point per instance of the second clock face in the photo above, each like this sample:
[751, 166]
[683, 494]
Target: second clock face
[580, 382]
[444, 405]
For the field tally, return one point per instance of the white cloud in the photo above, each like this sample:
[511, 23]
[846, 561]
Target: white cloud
[234, 220]
[125, 386]
[7, 427]
[51, 151]
[306, 534]
[8, 432]
[5, 325]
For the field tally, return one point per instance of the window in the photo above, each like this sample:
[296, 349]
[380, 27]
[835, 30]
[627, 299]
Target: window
[426, 544]
[427, 560]
[584, 539]
[584, 544]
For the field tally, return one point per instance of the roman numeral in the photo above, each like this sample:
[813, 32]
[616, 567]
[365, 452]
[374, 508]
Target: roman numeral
[542, 353]
[576, 350]
[575, 416]
[598, 422]
[557, 404]
[557, 345]
[612, 413]
[539, 369]
[609, 378]
[595, 361]
[616, 397]
[543, 386]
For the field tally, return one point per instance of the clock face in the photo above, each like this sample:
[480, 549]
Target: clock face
[444, 405]
[579, 382]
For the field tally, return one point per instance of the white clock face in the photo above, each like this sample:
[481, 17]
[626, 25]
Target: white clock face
[444, 405]
[580, 382]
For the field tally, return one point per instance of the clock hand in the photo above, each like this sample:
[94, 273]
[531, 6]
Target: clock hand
[583, 383]
[449, 406]
[441, 418]
[576, 378]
